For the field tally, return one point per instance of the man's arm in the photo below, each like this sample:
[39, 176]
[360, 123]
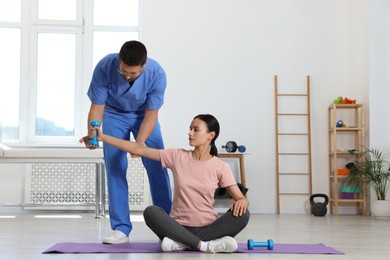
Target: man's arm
[95, 114]
[147, 125]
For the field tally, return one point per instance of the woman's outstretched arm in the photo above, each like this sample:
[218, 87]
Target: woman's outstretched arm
[128, 146]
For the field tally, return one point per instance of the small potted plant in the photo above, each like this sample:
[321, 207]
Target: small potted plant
[372, 168]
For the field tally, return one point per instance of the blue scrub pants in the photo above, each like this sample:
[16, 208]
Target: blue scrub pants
[116, 167]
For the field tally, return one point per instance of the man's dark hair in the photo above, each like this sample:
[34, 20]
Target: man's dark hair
[133, 53]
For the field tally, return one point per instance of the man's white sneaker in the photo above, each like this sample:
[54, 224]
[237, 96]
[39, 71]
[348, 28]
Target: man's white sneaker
[117, 237]
[222, 245]
[170, 245]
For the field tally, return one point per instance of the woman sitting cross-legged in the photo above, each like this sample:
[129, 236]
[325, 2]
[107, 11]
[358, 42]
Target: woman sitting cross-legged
[193, 223]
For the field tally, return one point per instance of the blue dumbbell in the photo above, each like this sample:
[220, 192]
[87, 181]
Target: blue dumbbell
[232, 147]
[94, 140]
[269, 244]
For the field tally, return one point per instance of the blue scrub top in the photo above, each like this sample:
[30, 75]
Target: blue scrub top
[108, 87]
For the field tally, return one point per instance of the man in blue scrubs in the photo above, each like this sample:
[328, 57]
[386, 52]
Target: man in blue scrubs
[127, 91]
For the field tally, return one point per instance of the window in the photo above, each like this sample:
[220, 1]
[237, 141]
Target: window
[10, 53]
[47, 61]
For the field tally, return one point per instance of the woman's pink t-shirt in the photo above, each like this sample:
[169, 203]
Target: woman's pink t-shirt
[195, 183]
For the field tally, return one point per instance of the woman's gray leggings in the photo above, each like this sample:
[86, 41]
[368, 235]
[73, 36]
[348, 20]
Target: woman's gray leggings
[164, 225]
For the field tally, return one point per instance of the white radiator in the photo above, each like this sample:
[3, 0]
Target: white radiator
[137, 179]
[59, 184]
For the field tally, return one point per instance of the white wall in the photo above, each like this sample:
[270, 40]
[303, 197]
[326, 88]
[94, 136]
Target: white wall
[221, 57]
[380, 76]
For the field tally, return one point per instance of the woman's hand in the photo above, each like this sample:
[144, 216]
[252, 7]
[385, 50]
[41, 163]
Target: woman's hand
[91, 134]
[240, 204]
[239, 207]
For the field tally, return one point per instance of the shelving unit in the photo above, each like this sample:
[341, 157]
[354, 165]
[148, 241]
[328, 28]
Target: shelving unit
[241, 179]
[240, 158]
[346, 143]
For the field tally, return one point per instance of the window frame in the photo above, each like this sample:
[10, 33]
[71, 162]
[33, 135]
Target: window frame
[84, 29]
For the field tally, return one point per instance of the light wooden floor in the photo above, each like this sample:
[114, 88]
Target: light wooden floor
[26, 237]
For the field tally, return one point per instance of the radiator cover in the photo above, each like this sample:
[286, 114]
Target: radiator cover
[58, 184]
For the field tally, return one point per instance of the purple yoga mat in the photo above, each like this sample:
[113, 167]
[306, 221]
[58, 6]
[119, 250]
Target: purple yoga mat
[91, 248]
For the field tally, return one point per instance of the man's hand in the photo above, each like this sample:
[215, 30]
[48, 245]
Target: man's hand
[136, 155]
[87, 138]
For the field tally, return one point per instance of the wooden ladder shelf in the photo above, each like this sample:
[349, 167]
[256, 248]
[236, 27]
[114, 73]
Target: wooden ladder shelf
[288, 155]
